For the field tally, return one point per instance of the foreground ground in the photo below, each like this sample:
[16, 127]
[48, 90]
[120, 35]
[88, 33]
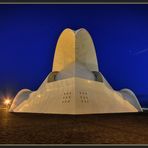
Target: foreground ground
[62, 129]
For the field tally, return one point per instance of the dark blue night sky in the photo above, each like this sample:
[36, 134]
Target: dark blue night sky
[28, 36]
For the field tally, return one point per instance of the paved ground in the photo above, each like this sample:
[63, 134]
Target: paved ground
[62, 129]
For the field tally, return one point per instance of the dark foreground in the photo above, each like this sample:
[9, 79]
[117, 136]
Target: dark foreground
[65, 129]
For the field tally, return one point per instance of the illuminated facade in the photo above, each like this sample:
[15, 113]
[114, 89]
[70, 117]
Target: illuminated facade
[75, 85]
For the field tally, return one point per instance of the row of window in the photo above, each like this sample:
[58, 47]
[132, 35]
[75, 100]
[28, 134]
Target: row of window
[66, 101]
[83, 93]
[66, 97]
[67, 93]
[84, 101]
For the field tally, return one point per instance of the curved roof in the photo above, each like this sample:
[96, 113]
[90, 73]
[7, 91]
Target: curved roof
[20, 97]
[75, 47]
[131, 97]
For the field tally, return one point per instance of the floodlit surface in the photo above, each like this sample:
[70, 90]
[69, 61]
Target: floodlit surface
[75, 46]
[88, 97]
[76, 86]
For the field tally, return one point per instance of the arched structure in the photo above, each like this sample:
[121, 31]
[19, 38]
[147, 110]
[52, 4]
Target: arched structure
[75, 85]
[20, 97]
[75, 46]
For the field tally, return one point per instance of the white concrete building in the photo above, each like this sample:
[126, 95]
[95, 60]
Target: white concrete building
[75, 85]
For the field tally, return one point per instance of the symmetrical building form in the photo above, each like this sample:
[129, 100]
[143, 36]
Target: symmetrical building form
[75, 85]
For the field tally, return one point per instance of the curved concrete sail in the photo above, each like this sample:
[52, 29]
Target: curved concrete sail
[75, 85]
[75, 46]
[65, 50]
[85, 50]
[20, 97]
[131, 97]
